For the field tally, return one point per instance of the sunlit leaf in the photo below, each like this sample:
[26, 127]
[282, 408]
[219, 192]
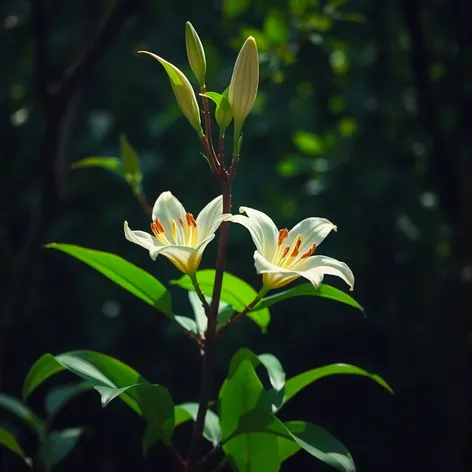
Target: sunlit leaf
[313, 439]
[213, 96]
[10, 442]
[109, 163]
[59, 396]
[21, 411]
[125, 274]
[235, 292]
[323, 291]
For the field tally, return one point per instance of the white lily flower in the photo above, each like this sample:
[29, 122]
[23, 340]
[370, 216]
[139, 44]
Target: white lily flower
[282, 256]
[177, 235]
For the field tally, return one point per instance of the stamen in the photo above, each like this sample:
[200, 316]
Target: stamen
[159, 226]
[309, 252]
[181, 223]
[174, 230]
[285, 252]
[283, 234]
[190, 220]
[296, 249]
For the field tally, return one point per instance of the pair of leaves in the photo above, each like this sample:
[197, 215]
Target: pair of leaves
[127, 166]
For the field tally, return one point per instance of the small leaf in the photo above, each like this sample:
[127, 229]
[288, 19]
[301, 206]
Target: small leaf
[235, 292]
[186, 323]
[211, 428]
[109, 163]
[10, 442]
[58, 445]
[300, 381]
[213, 96]
[125, 274]
[59, 396]
[323, 291]
[131, 166]
[22, 412]
[313, 439]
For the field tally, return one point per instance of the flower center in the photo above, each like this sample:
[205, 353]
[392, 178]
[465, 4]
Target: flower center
[185, 233]
[289, 256]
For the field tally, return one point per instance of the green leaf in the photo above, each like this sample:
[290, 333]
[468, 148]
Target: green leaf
[10, 442]
[99, 369]
[58, 444]
[235, 292]
[109, 163]
[213, 96]
[22, 412]
[131, 166]
[128, 276]
[241, 392]
[313, 439]
[270, 362]
[58, 397]
[300, 381]
[186, 323]
[211, 428]
[225, 312]
[323, 291]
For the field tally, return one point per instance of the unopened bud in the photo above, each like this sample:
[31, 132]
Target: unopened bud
[244, 83]
[183, 92]
[195, 53]
[223, 113]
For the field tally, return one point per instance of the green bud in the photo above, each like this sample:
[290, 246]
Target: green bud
[183, 92]
[195, 53]
[243, 85]
[223, 113]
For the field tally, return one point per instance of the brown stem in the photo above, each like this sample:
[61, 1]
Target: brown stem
[207, 119]
[242, 314]
[201, 295]
[210, 341]
[144, 204]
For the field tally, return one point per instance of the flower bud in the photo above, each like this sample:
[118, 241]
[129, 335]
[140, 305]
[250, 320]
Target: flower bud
[183, 92]
[195, 53]
[223, 113]
[244, 83]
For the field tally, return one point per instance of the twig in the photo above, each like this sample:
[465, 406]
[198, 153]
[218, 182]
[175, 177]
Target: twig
[209, 455]
[201, 295]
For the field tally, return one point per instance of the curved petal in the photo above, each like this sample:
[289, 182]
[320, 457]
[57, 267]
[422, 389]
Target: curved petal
[144, 240]
[273, 276]
[210, 218]
[185, 258]
[166, 208]
[312, 231]
[263, 231]
[315, 267]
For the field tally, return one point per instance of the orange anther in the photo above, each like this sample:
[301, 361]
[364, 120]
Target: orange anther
[285, 252]
[309, 252]
[283, 234]
[296, 249]
[190, 220]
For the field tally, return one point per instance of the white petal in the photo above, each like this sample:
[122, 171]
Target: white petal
[144, 240]
[210, 218]
[185, 258]
[273, 275]
[166, 208]
[311, 230]
[263, 231]
[315, 267]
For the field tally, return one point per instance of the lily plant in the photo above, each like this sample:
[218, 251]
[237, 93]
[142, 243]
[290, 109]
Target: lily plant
[241, 429]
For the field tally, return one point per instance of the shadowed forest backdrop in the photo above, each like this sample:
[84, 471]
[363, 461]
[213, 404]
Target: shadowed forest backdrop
[361, 118]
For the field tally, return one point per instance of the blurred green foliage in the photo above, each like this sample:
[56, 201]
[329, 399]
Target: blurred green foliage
[362, 117]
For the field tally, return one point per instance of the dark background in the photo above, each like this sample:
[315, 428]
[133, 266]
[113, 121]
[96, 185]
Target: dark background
[361, 122]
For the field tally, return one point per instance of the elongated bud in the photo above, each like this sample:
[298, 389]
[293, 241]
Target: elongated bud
[244, 83]
[195, 53]
[183, 92]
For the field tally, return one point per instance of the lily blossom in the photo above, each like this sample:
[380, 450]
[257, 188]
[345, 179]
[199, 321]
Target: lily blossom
[282, 256]
[177, 235]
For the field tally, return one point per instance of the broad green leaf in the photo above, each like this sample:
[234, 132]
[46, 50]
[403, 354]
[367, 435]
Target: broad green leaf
[22, 412]
[10, 442]
[213, 96]
[58, 397]
[270, 362]
[131, 167]
[287, 448]
[235, 292]
[58, 444]
[123, 273]
[300, 381]
[98, 369]
[241, 392]
[186, 323]
[313, 439]
[211, 428]
[324, 291]
[110, 163]
[225, 312]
